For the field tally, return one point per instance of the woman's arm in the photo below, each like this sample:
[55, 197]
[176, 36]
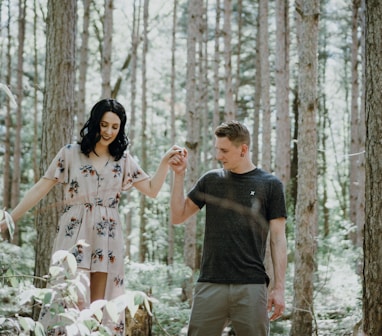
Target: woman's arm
[32, 197]
[150, 187]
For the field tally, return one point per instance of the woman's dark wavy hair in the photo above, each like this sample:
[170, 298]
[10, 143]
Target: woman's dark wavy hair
[90, 133]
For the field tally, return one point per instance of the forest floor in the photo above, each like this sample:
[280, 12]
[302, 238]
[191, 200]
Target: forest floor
[337, 294]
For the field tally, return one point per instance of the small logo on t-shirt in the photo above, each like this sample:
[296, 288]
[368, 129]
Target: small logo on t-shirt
[252, 193]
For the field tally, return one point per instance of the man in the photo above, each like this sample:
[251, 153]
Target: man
[243, 203]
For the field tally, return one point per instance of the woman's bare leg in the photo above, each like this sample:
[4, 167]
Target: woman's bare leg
[97, 286]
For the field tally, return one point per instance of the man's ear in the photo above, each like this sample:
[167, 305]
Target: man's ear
[244, 149]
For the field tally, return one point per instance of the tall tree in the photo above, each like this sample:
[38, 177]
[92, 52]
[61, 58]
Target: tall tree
[107, 49]
[36, 80]
[307, 12]
[257, 96]
[355, 145]
[133, 93]
[372, 275]
[16, 176]
[229, 108]
[266, 129]
[360, 219]
[58, 112]
[193, 121]
[8, 120]
[171, 233]
[283, 126]
[83, 66]
[216, 77]
[144, 149]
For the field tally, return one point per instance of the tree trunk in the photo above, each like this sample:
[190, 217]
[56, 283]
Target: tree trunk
[266, 148]
[193, 123]
[58, 112]
[306, 211]
[17, 152]
[171, 232]
[257, 97]
[8, 123]
[372, 275]
[143, 219]
[360, 220]
[216, 65]
[229, 108]
[107, 49]
[283, 126]
[83, 67]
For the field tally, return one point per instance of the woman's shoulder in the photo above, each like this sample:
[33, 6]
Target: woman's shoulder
[72, 147]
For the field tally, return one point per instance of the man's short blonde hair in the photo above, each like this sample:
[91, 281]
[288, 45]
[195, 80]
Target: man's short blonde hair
[235, 131]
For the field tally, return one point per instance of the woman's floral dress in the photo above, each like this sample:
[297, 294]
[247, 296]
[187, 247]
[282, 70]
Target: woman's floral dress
[90, 213]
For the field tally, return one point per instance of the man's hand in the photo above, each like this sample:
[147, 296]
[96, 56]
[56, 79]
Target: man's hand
[178, 163]
[276, 303]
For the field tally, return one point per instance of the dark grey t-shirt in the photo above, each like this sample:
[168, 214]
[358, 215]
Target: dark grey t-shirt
[238, 210]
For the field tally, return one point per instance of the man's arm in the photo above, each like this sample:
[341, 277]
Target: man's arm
[181, 207]
[278, 246]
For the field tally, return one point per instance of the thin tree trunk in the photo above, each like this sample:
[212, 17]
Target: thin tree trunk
[354, 123]
[372, 275]
[143, 219]
[16, 176]
[7, 177]
[83, 67]
[257, 97]
[306, 211]
[360, 220]
[107, 49]
[171, 233]
[266, 148]
[229, 108]
[216, 65]
[132, 126]
[36, 80]
[283, 126]
[193, 123]
[238, 57]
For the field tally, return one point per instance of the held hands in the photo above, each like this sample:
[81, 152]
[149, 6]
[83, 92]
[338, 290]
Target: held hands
[277, 302]
[178, 161]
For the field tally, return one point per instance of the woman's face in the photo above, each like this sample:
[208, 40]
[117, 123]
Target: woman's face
[109, 128]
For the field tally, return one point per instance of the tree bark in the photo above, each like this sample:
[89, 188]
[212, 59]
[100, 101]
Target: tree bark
[58, 112]
[107, 49]
[229, 108]
[283, 126]
[171, 232]
[372, 275]
[306, 211]
[17, 152]
[143, 201]
[193, 123]
[83, 67]
[266, 148]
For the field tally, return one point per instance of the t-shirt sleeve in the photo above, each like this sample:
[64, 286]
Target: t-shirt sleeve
[132, 172]
[59, 168]
[197, 193]
[277, 207]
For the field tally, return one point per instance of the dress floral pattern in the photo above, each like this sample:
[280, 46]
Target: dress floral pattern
[90, 213]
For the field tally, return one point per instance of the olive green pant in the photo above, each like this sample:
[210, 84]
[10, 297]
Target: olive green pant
[215, 305]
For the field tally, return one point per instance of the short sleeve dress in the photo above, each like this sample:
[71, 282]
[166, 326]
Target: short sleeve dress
[90, 211]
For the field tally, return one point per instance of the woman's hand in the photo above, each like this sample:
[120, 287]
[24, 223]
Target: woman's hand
[178, 163]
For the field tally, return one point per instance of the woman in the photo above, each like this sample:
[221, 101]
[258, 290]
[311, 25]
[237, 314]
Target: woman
[93, 173]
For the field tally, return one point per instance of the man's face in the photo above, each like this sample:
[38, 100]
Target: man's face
[227, 153]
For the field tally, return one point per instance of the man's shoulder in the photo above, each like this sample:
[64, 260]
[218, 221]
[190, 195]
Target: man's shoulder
[267, 176]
